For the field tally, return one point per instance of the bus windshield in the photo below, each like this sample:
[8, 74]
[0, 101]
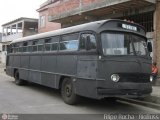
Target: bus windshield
[123, 44]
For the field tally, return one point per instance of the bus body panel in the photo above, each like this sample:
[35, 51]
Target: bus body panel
[87, 67]
[86, 88]
[16, 61]
[66, 64]
[49, 63]
[48, 69]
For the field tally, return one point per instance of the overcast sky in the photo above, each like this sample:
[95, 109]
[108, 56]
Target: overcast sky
[13, 9]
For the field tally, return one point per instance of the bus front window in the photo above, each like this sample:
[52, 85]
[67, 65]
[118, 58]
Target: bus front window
[116, 44]
[122, 44]
[139, 45]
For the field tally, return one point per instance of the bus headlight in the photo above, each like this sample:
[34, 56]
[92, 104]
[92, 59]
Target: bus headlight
[151, 78]
[115, 77]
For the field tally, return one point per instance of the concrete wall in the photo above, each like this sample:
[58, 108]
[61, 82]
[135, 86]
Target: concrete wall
[29, 32]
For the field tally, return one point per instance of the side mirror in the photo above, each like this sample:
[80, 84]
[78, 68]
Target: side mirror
[149, 46]
[88, 43]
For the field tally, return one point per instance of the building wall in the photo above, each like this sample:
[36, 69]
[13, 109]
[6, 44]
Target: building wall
[0, 46]
[157, 34]
[57, 8]
[49, 26]
[0, 37]
[29, 32]
[67, 5]
[21, 27]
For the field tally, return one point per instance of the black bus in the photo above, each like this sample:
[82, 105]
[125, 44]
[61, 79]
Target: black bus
[108, 58]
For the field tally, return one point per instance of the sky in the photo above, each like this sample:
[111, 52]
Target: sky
[13, 9]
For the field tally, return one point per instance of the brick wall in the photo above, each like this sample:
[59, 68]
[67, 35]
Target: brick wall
[69, 5]
[56, 8]
[49, 26]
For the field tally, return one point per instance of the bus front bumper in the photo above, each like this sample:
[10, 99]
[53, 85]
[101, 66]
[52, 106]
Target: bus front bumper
[130, 93]
[129, 90]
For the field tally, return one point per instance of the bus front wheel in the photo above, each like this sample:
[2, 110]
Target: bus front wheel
[67, 92]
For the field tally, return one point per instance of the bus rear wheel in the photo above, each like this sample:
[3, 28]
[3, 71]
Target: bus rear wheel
[67, 92]
[18, 81]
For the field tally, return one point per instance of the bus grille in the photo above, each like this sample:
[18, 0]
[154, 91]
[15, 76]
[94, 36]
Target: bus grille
[137, 78]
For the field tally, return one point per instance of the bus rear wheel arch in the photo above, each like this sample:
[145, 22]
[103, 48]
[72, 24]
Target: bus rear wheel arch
[18, 81]
[67, 91]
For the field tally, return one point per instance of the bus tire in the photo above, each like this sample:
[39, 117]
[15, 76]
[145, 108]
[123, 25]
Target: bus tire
[67, 92]
[18, 81]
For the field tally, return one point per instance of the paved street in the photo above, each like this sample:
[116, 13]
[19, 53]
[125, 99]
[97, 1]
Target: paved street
[38, 99]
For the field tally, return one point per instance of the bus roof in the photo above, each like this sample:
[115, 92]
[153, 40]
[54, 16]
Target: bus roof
[91, 26]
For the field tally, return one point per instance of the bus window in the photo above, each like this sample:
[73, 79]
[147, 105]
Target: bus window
[117, 44]
[29, 48]
[48, 44]
[55, 41]
[48, 47]
[40, 47]
[83, 41]
[9, 48]
[34, 47]
[139, 45]
[82, 44]
[25, 46]
[20, 47]
[48, 40]
[69, 42]
[54, 46]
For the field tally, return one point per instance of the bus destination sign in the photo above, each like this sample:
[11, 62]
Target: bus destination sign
[129, 27]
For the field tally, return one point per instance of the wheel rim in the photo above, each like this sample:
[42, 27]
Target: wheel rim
[68, 90]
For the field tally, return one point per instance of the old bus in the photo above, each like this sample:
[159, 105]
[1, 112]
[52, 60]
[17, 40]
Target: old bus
[108, 58]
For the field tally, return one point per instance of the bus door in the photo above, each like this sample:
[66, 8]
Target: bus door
[86, 64]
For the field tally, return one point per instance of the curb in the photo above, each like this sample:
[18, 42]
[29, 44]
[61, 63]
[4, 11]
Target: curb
[152, 102]
[152, 99]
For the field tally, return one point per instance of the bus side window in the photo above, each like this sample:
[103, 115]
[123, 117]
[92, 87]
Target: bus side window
[20, 47]
[40, 45]
[82, 44]
[48, 44]
[55, 43]
[29, 46]
[93, 42]
[83, 41]
[34, 46]
[25, 46]
[9, 48]
[69, 42]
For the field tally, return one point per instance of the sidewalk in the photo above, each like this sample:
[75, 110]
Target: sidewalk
[156, 91]
[2, 67]
[155, 96]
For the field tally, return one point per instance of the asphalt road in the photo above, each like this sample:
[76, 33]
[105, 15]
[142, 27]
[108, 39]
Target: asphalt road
[36, 99]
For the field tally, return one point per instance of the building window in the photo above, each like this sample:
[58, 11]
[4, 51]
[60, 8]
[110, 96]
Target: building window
[42, 21]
